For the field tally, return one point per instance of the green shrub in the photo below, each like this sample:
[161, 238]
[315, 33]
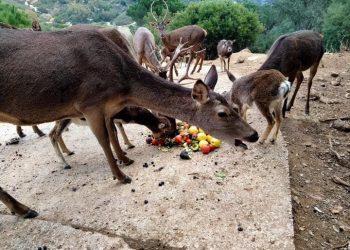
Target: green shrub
[9, 14]
[222, 19]
[336, 26]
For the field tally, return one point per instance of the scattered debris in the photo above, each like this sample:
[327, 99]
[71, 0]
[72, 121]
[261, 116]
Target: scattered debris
[336, 82]
[326, 100]
[334, 74]
[336, 210]
[339, 181]
[13, 141]
[316, 209]
[341, 125]
[220, 175]
[240, 59]
[159, 169]
[161, 183]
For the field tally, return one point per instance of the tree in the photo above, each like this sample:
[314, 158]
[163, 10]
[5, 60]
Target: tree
[336, 26]
[222, 19]
[140, 9]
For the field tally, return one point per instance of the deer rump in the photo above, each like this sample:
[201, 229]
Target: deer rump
[54, 74]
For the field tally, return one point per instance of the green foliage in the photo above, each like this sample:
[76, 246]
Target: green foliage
[9, 14]
[139, 10]
[222, 19]
[336, 26]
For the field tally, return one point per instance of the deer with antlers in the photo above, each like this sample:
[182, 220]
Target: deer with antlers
[85, 74]
[191, 35]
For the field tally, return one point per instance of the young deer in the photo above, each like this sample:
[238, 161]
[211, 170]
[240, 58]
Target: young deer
[159, 125]
[225, 50]
[85, 74]
[267, 89]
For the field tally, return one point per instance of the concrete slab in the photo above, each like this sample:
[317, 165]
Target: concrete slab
[250, 208]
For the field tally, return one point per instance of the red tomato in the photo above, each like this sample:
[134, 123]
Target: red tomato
[178, 139]
[205, 149]
[212, 147]
[161, 142]
[189, 141]
[155, 142]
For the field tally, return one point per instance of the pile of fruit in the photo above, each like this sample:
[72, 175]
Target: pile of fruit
[191, 138]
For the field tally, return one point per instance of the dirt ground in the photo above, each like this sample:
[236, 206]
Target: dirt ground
[320, 206]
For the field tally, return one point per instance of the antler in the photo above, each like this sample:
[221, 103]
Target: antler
[152, 11]
[178, 51]
[167, 10]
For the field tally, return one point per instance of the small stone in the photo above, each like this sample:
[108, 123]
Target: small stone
[240, 228]
[334, 74]
[336, 210]
[323, 85]
[74, 189]
[240, 59]
[161, 183]
[347, 96]
[335, 83]
[133, 190]
[347, 91]
[145, 202]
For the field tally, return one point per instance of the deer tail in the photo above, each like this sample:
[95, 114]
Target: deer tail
[284, 88]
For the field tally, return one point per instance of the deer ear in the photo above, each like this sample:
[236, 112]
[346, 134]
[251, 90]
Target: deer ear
[200, 92]
[230, 76]
[211, 78]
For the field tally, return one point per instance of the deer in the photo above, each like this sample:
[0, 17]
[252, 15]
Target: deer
[225, 50]
[35, 27]
[160, 126]
[267, 89]
[85, 74]
[293, 53]
[192, 35]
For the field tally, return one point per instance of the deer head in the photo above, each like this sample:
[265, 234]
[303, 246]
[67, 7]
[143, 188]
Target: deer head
[160, 25]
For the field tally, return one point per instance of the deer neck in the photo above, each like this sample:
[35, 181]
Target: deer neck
[159, 95]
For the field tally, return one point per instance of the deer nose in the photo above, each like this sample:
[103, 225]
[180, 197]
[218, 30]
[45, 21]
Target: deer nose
[253, 138]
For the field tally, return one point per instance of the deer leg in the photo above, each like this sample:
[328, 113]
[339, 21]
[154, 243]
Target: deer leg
[15, 206]
[201, 63]
[223, 59]
[125, 137]
[98, 126]
[228, 63]
[54, 135]
[113, 138]
[265, 111]
[38, 131]
[20, 131]
[300, 79]
[196, 64]
[278, 119]
[63, 146]
[313, 71]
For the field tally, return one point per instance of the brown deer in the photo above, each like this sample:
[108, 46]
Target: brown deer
[191, 35]
[225, 50]
[267, 89]
[160, 127]
[293, 53]
[35, 27]
[85, 74]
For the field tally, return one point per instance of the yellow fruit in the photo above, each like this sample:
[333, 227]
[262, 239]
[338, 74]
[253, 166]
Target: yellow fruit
[201, 136]
[200, 130]
[209, 137]
[193, 130]
[215, 142]
[203, 143]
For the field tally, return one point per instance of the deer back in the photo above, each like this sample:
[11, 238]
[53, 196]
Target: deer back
[191, 35]
[294, 52]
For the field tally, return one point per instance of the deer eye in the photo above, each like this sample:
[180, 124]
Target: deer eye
[222, 114]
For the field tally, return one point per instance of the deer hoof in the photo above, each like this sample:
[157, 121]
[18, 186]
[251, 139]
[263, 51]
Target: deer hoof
[130, 146]
[129, 162]
[70, 153]
[272, 141]
[41, 134]
[67, 167]
[261, 142]
[30, 214]
[22, 135]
